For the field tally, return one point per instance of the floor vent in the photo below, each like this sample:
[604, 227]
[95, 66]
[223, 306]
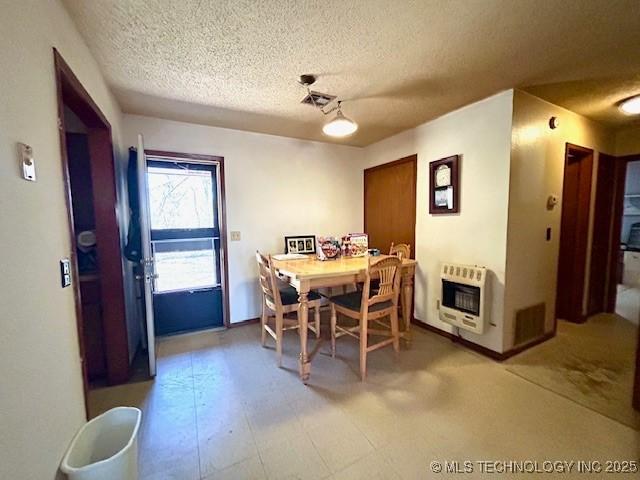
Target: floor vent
[529, 324]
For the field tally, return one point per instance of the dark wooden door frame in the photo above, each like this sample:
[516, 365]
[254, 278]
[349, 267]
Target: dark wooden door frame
[222, 215]
[71, 93]
[578, 268]
[603, 237]
[616, 230]
[411, 158]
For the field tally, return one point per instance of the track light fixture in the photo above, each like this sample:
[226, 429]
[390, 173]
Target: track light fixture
[340, 126]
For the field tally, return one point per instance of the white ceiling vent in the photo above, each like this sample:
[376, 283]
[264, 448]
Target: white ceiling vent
[317, 99]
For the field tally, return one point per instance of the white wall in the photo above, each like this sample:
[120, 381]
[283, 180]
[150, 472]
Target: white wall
[275, 186]
[481, 133]
[41, 399]
[537, 169]
[628, 141]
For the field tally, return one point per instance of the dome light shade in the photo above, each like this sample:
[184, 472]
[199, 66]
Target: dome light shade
[340, 126]
[631, 106]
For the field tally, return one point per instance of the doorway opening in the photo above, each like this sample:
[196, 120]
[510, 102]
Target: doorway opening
[179, 208]
[627, 280]
[96, 260]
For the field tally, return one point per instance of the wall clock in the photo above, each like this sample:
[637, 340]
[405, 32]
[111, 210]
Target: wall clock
[443, 176]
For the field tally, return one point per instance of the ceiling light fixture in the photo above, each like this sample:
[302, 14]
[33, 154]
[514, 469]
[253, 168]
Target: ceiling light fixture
[631, 106]
[340, 126]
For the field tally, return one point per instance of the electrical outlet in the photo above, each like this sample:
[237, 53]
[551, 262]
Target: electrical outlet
[235, 236]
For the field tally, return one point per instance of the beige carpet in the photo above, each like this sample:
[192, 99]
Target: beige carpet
[591, 364]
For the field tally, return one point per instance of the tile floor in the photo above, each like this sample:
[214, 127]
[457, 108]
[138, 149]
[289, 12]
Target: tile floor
[221, 409]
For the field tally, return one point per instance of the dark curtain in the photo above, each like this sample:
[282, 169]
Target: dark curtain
[133, 250]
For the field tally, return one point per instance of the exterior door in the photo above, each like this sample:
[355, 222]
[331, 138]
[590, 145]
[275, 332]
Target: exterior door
[390, 204]
[147, 256]
[185, 243]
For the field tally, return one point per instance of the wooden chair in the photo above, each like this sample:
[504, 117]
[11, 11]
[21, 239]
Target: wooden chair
[401, 250]
[281, 299]
[365, 308]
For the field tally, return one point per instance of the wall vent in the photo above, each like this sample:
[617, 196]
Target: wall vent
[317, 99]
[529, 324]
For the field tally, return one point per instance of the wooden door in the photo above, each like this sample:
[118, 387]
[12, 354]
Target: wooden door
[576, 197]
[599, 274]
[390, 204]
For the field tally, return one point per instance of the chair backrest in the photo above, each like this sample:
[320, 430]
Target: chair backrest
[267, 279]
[401, 250]
[387, 270]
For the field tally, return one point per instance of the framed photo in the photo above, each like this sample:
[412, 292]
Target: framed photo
[444, 185]
[300, 244]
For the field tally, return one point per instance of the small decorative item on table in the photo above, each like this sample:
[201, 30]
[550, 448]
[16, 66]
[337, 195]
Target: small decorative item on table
[300, 244]
[355, 244]
[329, 248]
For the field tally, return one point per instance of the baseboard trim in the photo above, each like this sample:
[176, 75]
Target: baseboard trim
[527, 346]
[249, 321]
[479, 348]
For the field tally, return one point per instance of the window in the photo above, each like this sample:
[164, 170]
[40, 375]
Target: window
[184, 231]
[185, 264]
[180, 198]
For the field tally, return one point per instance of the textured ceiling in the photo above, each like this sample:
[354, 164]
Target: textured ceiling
[597, 99]
[396, 64]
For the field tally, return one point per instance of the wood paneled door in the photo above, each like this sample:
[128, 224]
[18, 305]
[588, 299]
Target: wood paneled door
[390, 203]
[574, 230]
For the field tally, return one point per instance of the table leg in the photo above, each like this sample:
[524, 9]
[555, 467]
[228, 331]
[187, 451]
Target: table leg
[407, 298]
[303, 320]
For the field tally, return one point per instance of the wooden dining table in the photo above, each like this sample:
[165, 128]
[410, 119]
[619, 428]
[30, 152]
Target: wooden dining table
[311, 274]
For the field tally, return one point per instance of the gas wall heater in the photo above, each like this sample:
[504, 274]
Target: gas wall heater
[463, 294]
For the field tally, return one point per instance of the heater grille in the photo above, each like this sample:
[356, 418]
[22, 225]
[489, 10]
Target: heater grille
[529, 324]
[462, 300]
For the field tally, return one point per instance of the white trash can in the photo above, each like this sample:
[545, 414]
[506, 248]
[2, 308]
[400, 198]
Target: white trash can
[105, 448]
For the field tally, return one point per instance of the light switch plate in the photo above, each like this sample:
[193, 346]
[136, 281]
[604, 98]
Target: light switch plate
[65, 272]
[27, 163]
[235, 236]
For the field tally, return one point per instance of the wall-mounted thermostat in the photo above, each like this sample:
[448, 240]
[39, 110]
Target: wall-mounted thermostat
[27, 163]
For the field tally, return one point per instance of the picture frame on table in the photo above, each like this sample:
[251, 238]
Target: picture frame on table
[444, 185]
[304, 244]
